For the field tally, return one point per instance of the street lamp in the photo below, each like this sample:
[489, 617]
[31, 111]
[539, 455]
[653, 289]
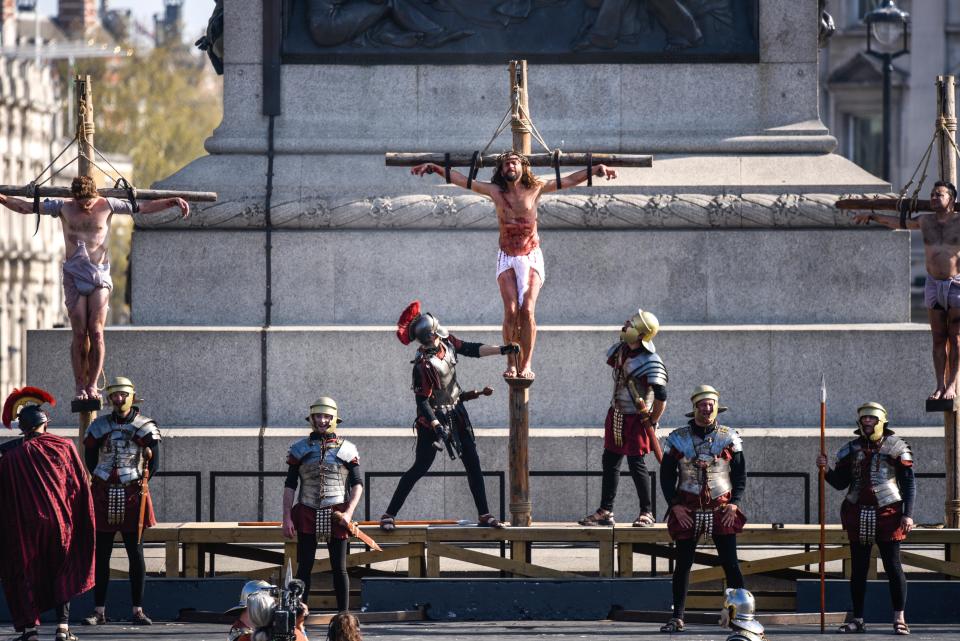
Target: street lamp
[887, 33]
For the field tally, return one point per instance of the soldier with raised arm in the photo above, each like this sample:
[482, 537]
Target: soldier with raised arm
[85, 219]
[515, 193]
[941, 248]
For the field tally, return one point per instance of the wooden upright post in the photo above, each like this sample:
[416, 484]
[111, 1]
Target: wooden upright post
[520, 506]
[86, 410]
[946, 135]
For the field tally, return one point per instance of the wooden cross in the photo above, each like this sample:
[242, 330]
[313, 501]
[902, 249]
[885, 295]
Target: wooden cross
[523, 129]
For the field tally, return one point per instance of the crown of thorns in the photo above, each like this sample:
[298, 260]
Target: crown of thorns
[507, 154]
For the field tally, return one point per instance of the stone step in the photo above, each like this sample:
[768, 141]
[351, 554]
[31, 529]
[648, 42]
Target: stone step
[768, 375]
[564, 480]
[592, 276]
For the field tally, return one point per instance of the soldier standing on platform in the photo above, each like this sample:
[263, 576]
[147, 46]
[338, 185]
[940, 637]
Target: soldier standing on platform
[122, 452]
[327, 469]
[703, 477]
[630, 429]
[876, 469]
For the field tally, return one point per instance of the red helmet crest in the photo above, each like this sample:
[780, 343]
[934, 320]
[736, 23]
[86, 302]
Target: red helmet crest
[410, 314]
[26, 396]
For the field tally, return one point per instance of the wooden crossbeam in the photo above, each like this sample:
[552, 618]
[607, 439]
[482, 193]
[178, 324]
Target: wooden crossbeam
[141, 194]
[927, 563]
[514, 566]
[372, 556]
[571, 159]
[882, 204]
[774, 563]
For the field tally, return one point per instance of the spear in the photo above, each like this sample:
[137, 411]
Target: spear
[823, 523]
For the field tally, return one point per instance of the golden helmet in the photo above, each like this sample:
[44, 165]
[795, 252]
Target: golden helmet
[326, 405]
[122, 384]
[701, 392]
[879, 412]
[643, 326]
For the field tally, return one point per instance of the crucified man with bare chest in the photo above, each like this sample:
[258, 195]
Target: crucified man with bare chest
[85, 219]
[515, 193]
[941, 294]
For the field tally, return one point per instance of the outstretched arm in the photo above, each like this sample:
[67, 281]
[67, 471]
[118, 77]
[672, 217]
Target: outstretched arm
[16, 204]
[456, 177]
[153, 206]
[893, 222]
[577, 177]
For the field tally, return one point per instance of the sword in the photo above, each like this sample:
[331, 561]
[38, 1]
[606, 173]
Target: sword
[144, 491]
[648, 426]
[355, 531]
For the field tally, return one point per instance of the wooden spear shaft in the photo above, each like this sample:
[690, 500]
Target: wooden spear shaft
[822, 511]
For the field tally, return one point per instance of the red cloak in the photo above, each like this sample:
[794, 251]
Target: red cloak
[47, 537]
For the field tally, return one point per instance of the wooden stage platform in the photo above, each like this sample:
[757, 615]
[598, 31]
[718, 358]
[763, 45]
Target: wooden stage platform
[787, 551]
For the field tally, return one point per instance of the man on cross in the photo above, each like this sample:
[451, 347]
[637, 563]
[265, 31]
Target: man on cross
[515, 193]
[941, 247]
[86, 269]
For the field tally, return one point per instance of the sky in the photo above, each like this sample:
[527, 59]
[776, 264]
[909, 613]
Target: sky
[195, 12]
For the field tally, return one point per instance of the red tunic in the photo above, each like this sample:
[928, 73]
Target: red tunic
[635, 439]
[47, 537]
[131, 507]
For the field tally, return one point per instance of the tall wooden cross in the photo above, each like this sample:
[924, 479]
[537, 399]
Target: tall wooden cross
[87, 409]
[522, 128]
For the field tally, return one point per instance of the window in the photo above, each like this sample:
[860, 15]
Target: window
[861, 8]
[865, 142]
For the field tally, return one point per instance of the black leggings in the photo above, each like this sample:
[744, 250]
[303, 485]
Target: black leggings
[338, 550]
[138, 569]
[63, 616]
[426, 453]
[611, 479]
[860, 564]
[726, 551]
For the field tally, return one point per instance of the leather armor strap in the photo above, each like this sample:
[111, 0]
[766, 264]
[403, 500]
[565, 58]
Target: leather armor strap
[556, 167]
[446, 167]
[474, 168]
[589, 169]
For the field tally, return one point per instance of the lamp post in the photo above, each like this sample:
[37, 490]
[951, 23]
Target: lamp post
[887, 34]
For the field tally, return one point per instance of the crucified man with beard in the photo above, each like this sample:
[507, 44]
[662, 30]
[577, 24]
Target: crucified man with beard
[515, 193]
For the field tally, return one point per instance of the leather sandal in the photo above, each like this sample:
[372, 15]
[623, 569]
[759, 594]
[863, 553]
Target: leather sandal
[853, 626]
[644, 520]
[600, 517]
[673, 625]
[95, 618]
[489, 520]
[64, 635]
[388, 523]
[901, 628]
[141, 618]
[32, 635]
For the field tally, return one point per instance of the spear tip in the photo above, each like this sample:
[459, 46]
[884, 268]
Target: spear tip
[823, 388]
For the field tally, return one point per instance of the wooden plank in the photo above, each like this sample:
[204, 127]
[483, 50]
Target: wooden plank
[520, 551]
[710, 618]
[606, 558]
[142, 194]
[416, 560]
[949, 568]
[433, 564]
[171, 552]
[567, 159]
[513, 566]
[773, 563]
[246, 552]
[625, 560]
[191, 561]
[370, 556]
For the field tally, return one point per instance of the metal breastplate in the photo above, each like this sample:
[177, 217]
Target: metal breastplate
[323, 477]
[118, 451]
[622, 399]
[448, 393]
[704, 467]
[881, 475]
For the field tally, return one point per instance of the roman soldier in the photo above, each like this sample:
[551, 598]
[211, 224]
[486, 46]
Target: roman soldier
[703, 477]
[630, 429]
[739, 614]
[442, 420]
[122, 452]
[47, 538]
[876, 469]
[326, 467]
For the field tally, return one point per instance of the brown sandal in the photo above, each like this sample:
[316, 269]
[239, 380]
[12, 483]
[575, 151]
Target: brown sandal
[853, 626]
[489, 520]
[388, 523]
[901, 628]
[673, 625]
[600, 517]
[644, 520]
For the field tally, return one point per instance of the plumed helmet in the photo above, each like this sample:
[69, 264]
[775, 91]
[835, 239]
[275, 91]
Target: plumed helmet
[701, 392]
[420, 326]
[326, 405]
[23, 410]
[260, 608]
[123, 384]
[643, 326]
[249, 588]
[879, 412]
[740, 608]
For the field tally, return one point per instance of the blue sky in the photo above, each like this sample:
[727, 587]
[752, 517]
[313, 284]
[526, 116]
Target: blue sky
[195, 12]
